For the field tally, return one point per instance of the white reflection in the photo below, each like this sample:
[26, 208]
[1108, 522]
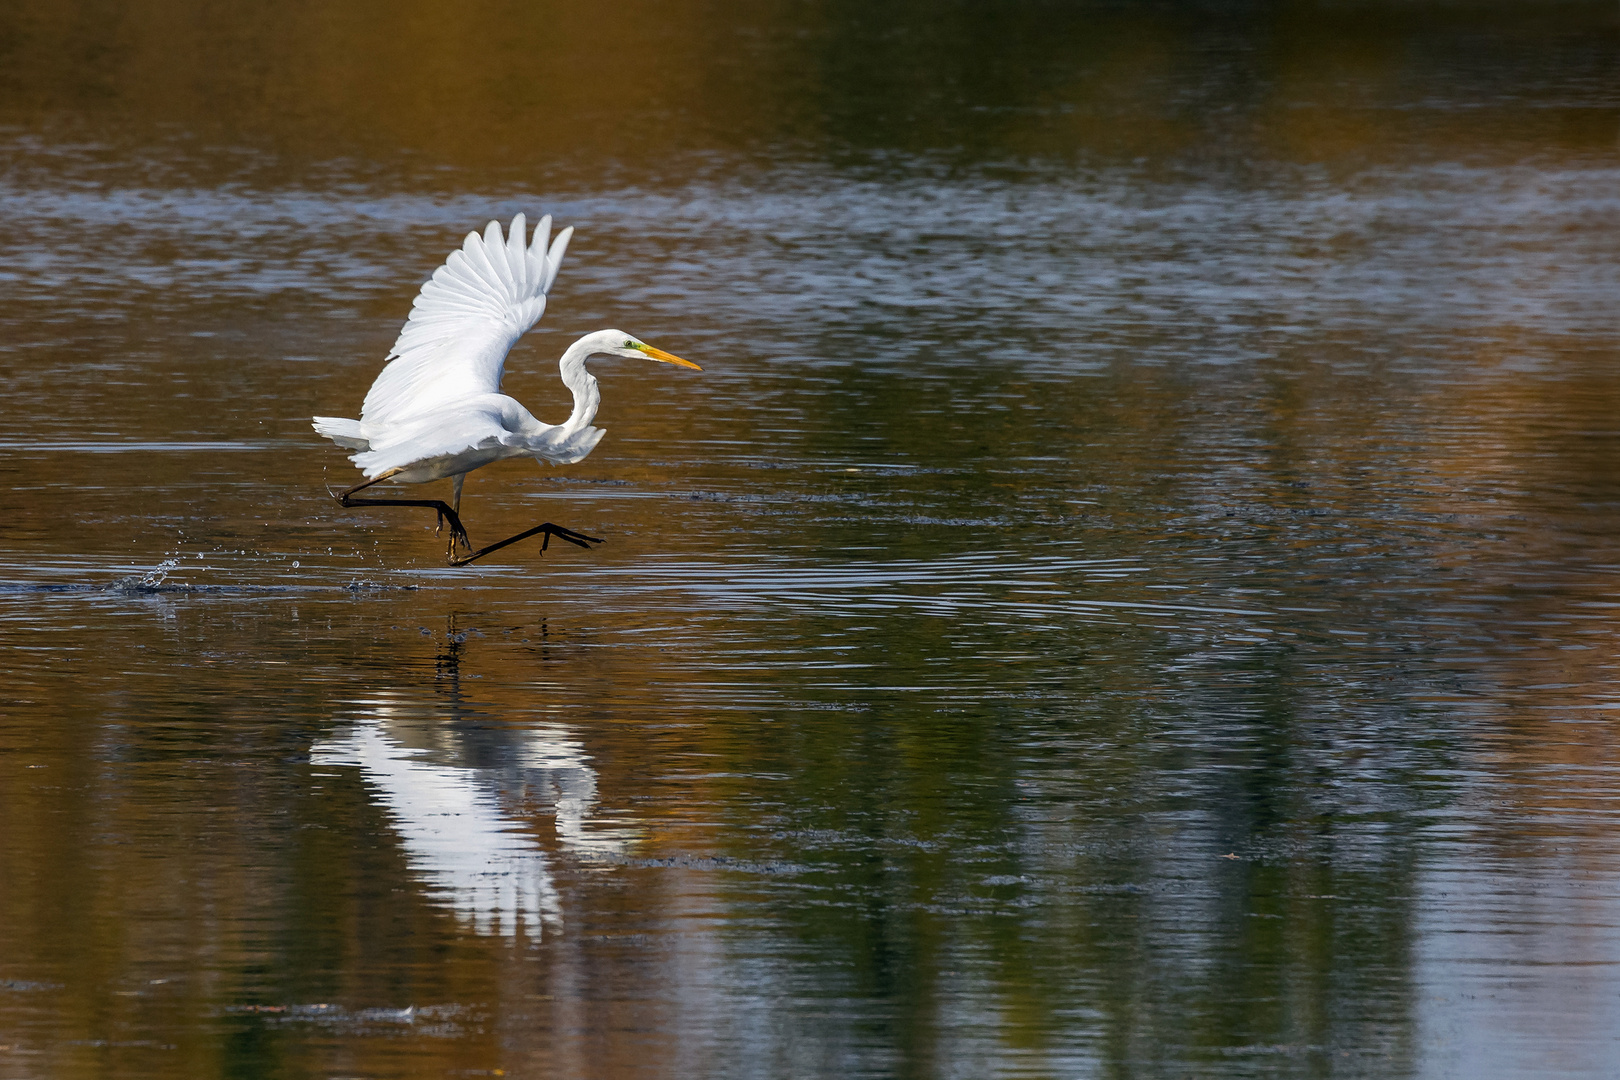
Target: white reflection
[462, 796]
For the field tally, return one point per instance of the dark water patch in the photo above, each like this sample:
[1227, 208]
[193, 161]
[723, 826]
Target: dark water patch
[141, 586]
[45, 446]
[23, 986]
[427, 1021]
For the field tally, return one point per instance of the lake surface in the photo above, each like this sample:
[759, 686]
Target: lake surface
[1134, 591]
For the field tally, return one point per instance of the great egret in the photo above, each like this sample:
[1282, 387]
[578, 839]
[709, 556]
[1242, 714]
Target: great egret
[436, 410]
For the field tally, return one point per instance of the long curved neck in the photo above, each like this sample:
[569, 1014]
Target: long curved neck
[583, 384]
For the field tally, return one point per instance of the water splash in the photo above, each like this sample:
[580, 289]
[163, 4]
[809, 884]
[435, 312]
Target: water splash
[151, 581]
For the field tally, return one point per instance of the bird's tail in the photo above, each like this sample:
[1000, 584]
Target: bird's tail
[344, 432]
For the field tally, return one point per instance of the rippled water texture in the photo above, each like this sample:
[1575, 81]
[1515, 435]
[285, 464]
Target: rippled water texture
[1133, 593]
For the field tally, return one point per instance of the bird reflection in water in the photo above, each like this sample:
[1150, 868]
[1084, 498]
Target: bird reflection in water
[462, 790]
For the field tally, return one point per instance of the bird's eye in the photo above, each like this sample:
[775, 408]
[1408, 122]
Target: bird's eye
[629, 344]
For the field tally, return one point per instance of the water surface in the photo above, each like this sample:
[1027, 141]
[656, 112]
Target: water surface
[1134, 591]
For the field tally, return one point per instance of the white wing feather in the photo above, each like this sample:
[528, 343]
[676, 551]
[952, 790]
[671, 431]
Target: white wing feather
[465, 320]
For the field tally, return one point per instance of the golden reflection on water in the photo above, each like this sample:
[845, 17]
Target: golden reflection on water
[515, 87]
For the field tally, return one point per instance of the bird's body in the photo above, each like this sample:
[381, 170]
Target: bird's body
[487, 427]
[436, 411]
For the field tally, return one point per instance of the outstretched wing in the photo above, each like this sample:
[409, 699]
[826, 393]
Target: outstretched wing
[465, 320]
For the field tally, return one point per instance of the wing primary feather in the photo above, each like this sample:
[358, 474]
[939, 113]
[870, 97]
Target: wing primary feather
[555, 256]
[460, 273]
[542, 235]
[475, 265]
[494, 252]
[461, 277]
[537, 251]
[515, 253]
[457, 280]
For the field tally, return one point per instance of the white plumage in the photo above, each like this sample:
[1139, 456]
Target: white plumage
[465, 320]
[436, 409]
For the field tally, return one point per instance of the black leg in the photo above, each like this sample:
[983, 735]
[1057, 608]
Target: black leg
[457, 532]
[550, 530]
[445, 512]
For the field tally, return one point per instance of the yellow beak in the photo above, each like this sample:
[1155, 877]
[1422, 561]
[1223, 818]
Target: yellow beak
[668, 358]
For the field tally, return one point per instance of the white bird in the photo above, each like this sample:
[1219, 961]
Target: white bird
[436, 410]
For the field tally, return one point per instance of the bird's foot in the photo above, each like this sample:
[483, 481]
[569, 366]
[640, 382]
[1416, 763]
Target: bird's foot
[577, 539]
[458, 534]
[546, 531]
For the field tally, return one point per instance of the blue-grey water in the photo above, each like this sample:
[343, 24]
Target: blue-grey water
[1134, 591]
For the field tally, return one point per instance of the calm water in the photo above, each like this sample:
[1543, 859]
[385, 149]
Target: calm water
[1135, 591]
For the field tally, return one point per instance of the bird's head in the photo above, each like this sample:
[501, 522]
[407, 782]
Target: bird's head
[618, 343]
